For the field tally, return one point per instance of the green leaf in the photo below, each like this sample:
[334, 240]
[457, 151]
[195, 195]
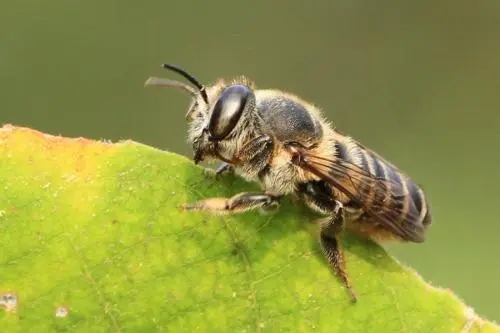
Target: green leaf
[92, 240]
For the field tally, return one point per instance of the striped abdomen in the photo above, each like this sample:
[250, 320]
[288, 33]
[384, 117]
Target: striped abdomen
[398, 199]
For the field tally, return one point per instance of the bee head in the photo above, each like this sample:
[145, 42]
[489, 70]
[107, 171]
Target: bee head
[214, 115]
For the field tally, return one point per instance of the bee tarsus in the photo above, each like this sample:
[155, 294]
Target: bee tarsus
[223, 168]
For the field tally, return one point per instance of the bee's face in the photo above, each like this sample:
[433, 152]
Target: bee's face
[220, 115]
[214, 125]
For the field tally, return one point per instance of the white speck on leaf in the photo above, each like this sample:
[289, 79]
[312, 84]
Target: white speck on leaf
[70, 177]
[8, 301]
[61, 312]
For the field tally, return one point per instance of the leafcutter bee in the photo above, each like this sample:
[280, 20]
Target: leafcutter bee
[284, 143]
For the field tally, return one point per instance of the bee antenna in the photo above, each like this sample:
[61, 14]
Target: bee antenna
[156, 81]
[190, 78]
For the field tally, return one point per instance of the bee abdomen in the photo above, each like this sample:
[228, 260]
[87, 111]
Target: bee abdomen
[415, 198]
[352, 153]
[346, 151]
[415, 194]
[406, 196]
[403, 196]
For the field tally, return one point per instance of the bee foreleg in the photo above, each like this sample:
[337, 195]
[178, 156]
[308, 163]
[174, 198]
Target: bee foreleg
[239, 203]
[330, 229]
[257, 150]
[260, 148]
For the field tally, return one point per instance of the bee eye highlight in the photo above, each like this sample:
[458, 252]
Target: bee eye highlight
[227, 111]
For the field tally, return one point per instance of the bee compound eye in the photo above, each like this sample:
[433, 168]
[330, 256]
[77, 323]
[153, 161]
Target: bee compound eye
[228, 110]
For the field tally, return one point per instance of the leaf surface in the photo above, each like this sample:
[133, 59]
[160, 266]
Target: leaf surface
[92, 240]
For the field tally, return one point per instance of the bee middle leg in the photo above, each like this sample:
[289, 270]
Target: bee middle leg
[256, 151]
[318, 196]
[238, 203]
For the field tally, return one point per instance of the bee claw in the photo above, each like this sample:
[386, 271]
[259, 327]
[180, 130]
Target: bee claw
[352, 294]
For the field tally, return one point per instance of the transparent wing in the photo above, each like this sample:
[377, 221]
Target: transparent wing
[388, 201]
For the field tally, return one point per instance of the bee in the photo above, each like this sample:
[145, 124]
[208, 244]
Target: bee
[284, 144]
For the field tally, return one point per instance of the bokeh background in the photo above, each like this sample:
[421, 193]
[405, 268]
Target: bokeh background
[416, 81]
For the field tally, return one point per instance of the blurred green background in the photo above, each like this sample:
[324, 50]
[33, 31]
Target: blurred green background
[416, 81]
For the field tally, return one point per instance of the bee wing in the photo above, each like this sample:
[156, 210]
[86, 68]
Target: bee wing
[389, 200]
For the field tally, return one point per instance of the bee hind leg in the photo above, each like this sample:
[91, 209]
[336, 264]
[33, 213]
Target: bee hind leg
[238, 203]
[330, 229]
